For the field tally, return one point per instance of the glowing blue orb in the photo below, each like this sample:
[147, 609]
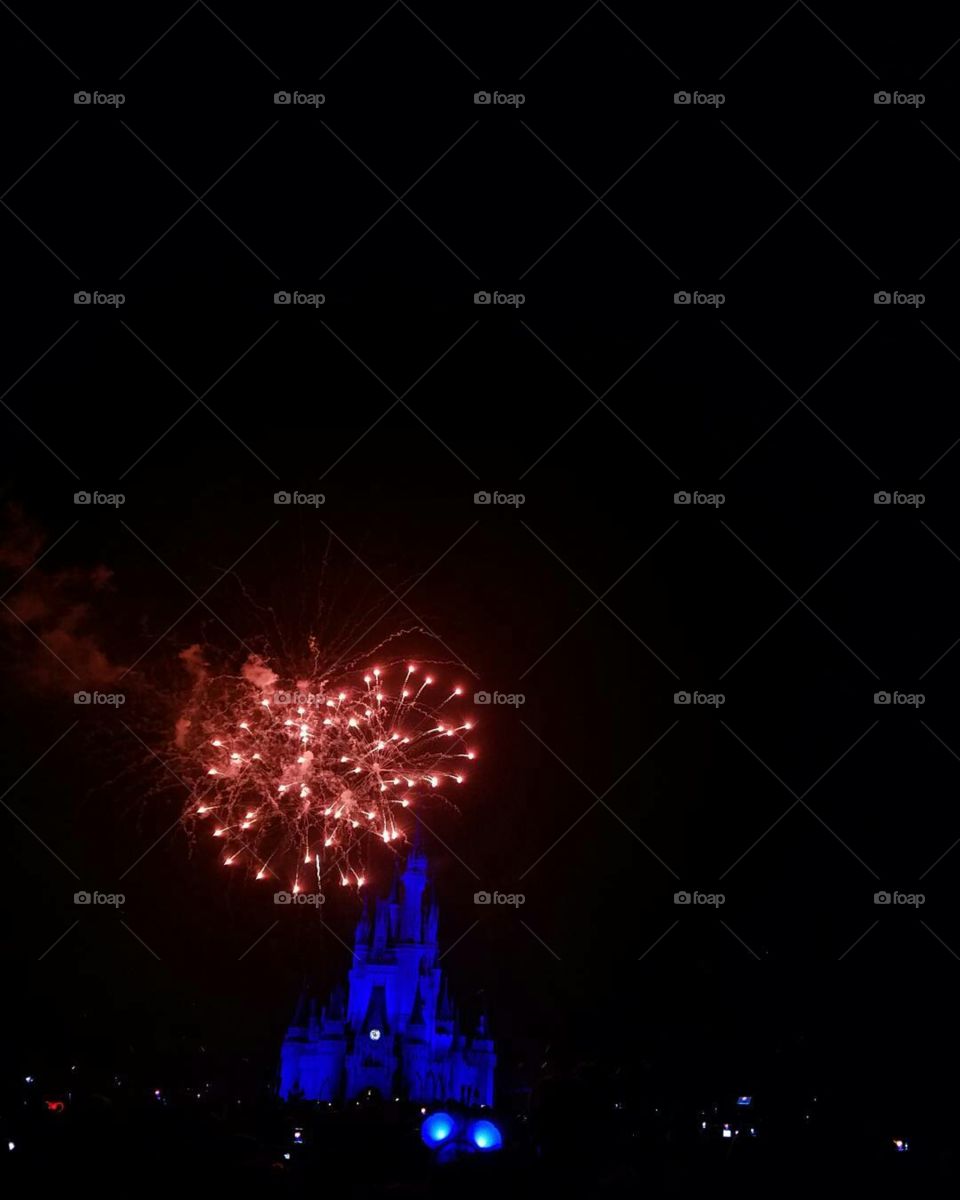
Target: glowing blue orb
[437, 1128]
[485, 1135]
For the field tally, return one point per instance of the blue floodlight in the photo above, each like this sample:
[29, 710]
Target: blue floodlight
[485, 1135]
[438, 1128]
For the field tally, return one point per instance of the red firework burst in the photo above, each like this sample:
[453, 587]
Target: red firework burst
[296, 777]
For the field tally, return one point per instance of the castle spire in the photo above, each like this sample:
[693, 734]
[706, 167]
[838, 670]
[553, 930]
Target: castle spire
[417, 854]
[364, 925]
[413, 884]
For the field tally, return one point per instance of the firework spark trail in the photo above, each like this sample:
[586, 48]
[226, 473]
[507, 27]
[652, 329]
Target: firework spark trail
[288, 778]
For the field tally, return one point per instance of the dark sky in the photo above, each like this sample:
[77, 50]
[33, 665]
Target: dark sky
[400, 398]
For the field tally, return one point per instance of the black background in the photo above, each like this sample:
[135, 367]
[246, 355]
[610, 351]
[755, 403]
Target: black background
[400, 398]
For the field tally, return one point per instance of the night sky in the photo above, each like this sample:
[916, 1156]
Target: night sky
[797, 599]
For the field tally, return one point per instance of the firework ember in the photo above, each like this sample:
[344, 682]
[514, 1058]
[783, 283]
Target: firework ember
[293, 781]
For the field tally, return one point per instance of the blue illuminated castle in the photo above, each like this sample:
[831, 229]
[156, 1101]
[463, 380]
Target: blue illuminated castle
[395, 1029]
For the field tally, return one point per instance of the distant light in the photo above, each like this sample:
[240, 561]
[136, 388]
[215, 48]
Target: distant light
[900, 1145]
[374, 1035]
[727, 1133]
[28, 1079]
[437, 1128]
[286, 1155]
[485, 1135]
[744, 1101]
[11, 1145]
